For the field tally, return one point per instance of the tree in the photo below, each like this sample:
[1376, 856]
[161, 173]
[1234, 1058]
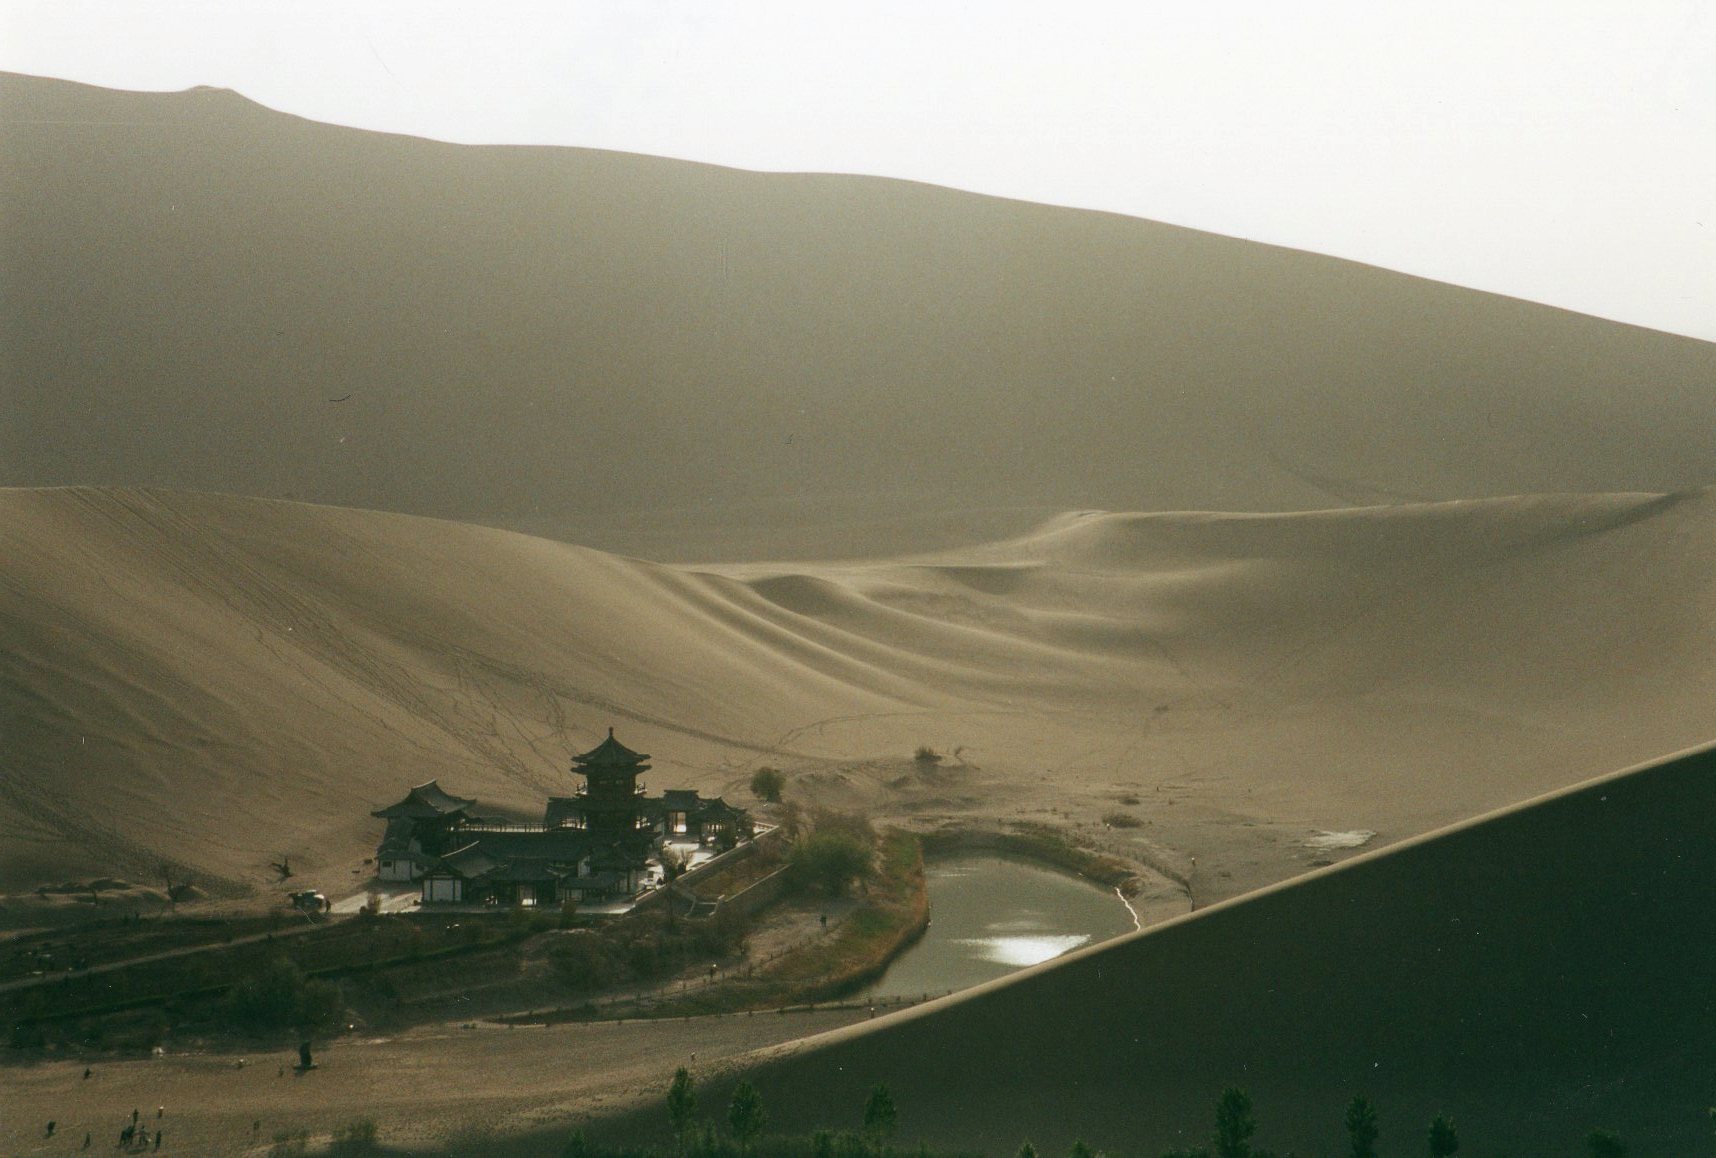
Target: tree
[168, 872]
[830, 860]
[1361, 1127]
[1443, 1140]
[745, 1116]
[1027, 1151]
[672, 864]
[1605, 1144]
[1234, 1124]
[766, 784]
[268, 998]
[1080, 1150]
[681, 1102]
[355, 1139]
[880, 1116]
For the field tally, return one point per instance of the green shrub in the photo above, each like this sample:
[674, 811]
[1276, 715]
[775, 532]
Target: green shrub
[1361, 1128]
[1234, 1124]
[278, 997]
[829, 861]
[27, 1035]
[1605, 1144]
[745, 1114]
[766, 784]
[288, 1143]
[586, 960]
[357, 1137]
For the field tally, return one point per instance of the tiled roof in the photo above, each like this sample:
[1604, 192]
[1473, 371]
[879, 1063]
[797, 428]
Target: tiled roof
[610, 752]
[424, 802]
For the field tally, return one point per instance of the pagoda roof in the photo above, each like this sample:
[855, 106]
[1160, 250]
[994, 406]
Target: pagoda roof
[610, 752]
[425, 802]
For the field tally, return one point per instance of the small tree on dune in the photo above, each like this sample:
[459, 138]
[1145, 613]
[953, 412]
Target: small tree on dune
[1234, 1124]
[1361, 1127]
[1443, 1140]
[745, 1116]
[681, 1103]
[766, 784]
[880, 1116]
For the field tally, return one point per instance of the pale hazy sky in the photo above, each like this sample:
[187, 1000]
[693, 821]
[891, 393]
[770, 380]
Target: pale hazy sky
[1560, 151]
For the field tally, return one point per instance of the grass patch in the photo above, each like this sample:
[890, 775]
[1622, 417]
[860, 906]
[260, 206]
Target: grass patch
[1121, 820]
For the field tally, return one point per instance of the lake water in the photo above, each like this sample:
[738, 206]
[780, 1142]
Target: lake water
[990, 915]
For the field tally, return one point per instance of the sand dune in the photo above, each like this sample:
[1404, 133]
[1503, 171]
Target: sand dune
[1536, 973]
[683, 361]
[220, 680]
[704, 365]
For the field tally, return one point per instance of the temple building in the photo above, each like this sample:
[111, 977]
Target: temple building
[602, 843]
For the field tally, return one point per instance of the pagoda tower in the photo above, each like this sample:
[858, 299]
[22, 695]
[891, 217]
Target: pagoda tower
[611, 799]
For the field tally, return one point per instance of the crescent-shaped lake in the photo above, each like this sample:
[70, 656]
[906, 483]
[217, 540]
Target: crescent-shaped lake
[990, 915]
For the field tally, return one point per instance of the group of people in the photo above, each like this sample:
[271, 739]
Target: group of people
[135, 1136]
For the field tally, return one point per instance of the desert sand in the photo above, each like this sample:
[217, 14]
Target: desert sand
[447, 1090]
[220, 680]
[686, 362]
[303, 425]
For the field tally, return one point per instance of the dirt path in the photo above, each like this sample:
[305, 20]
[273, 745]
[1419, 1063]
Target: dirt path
[440, 1085]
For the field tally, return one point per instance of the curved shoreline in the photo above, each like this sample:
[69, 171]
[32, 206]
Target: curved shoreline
[1048, 847]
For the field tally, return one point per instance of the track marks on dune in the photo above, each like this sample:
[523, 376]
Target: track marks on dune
[557, 692]
[326, 649]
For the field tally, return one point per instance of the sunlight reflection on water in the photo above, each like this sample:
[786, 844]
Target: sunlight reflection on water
[990, 916]
[1021, 951]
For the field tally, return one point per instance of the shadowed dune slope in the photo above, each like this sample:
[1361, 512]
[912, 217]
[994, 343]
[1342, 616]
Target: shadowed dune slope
[1535, 973]
[219, 680]
[685, 361]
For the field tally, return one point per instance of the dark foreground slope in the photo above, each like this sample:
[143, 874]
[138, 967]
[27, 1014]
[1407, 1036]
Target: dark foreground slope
[1536, 973]
[679, 360]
